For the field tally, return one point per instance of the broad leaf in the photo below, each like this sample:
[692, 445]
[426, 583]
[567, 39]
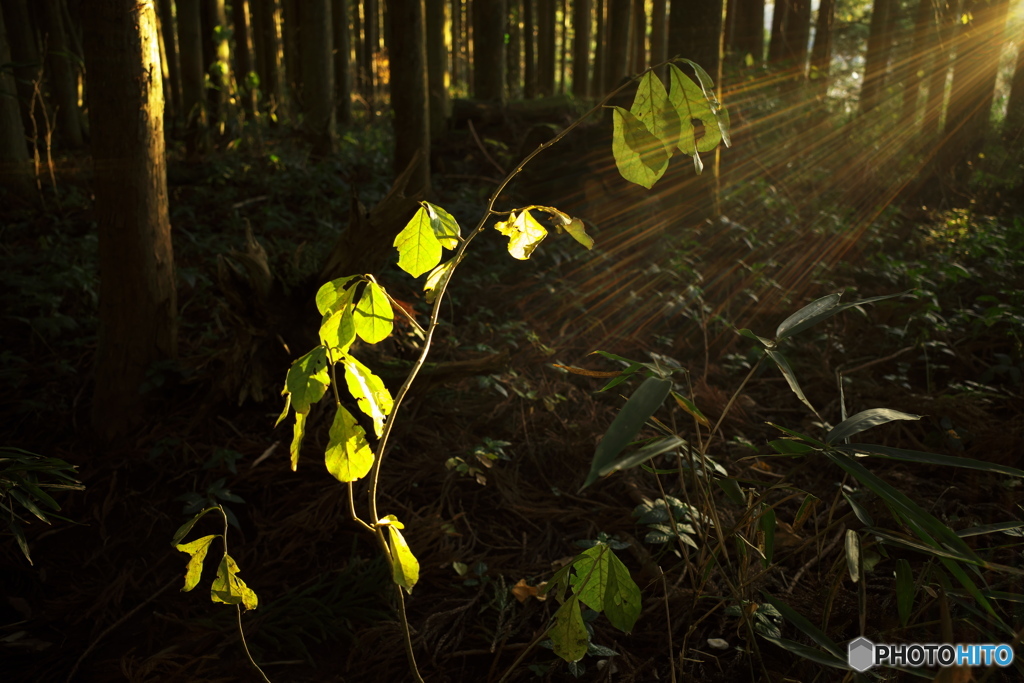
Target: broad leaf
[591, 578]
[371, 395]
[866, 419]
[334, 295]
[436, 277]
[524, 234]
[578, 232]
[405, 568]
[652, 108]
[638, 409]
[308, 379]
[338, 330]
[418, 247]
[230, 589]
[568, 635]
[197, 549]
[444, 225]
[691, 104]
[622, 596]
[348, 456]
[640, 156]
[374, 318]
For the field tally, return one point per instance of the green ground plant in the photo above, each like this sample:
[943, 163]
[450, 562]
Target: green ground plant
[686, 118]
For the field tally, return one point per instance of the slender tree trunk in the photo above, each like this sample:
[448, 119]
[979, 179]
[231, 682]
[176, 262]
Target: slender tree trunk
[915, 63]
[15, 172]
[876, 61]
[270, 48]
[138, 306]
[620, 27]
[368, 62]
[695, 32]
[529, 52]
[244, 62]
[437, 61]
[545, 47]
[581, 48]
[342, 50]
[63, 75]
[821, 53]
[563, 47]
[23, 41]
[318, 75]
[489, 50]
[193, 79]
[748, 30]
[172, 86]
[408, 59]
[456, 35]
[514, 52]
[659, 34]
[1013, 126]
[222, 84]
[638, 62]
[597, 85]
[291, 23]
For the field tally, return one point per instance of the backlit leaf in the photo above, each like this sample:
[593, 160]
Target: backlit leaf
[348, 456]
[418, 247]
[197, 549]
[651, 106]
[338, 330]
[524, 234]
[444, 225]
[568, 635]
[640, 156]
[866, 419]
[368, 389]
[692, 106]
[298, 431]
[591, 578]
[405, 568]
[308, 379]
[230, 589]
[374, 318]
[622, 596]
[436, 277]
[334, 295]
[578, 232]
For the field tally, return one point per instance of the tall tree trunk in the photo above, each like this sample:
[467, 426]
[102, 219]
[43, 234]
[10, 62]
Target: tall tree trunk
[437, 61]
[695, 32]
[291, 24]
[659, 34]
[368, 60]
[318, 75]
[620, 27]
[15, 172]
[915, 62]
[638, 61]
[408, 59]
[581, 48]
[529, 51]
[514, 52]
[193, 80]
[63, 75]
[244, 62]
[172, 86]
[137, 300]
[270, 50]
[489, 50]
[342, 51]
[877, 58]
[748, 30]
[1013, 126]
[563, 46]
[939, 42]
[222, 83]
[597, 84]
[23, 41]
[455, 8]
[821, 53]
[545, 47]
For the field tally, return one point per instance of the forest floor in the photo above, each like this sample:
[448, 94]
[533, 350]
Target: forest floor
[486, 470]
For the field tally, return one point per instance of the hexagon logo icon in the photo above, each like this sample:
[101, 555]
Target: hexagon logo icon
[860, 654]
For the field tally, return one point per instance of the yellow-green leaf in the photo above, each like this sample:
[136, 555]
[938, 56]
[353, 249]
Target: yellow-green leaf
[229, 589]
[371, 395]
[374, 318]
[579, 233]
[622, 596]
[197, 549]
[639, 156]
[308, 379]
[405, 568]
[568, 635]
[334, 295]
[298, 431]
[338, 330]
[591, 578]
[524, 234]
[348, 456]
[651, 106]
[444, 225]
[692, 105]
[436, 277]
[287, 407]
[418, 247]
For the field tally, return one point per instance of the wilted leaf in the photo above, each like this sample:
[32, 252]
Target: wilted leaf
[523, 591]
[230, 589]
[197, 549]
[524, 234]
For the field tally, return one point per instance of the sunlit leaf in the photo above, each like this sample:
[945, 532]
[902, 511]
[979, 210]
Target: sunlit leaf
[197, 549]
[524, 234]
[230, 589]
[866, 419]
[334, 295]
[187, 526]
[591, 578]
[568, 635]
[578, 232]
[405, 568]
[853, 554]
[298, 431]
[418, 247]
[821, 309]
[436, 277]
[652, 108]
[444, 225]
[308, 379]
[338, 330]
[368, 389]
[691, 105]
[348, 455]
[640, 157]
[374, 318]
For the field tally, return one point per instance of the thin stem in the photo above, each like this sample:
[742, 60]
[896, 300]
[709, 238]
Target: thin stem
[408, 635]
[241, 632]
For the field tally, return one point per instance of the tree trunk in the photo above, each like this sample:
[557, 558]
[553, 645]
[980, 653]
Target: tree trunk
[437, 61]
[877, 58]
[748, 30]
[821, 53]
[1013, 126]
[244, 62]
[638, 61]
[270, 50]
[620, 27]
[489, 50]
[695, 32]
[581, 48]
[23, 42]
[563, 47]
[222, 82]
[659, 34]
[597, 84]
[172, 86]
[545, 47]
[529, 52]
[456, 35]
[63, 75]
[15, 172]
[291, 17]
[137, 301]
[342, 50]
[408, 59]
[318, 75]
[193, 79]
[915, 63]
[939, 42]
[368, 60]
[514, 51]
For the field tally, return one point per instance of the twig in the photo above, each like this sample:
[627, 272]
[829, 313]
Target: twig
[668, 625]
